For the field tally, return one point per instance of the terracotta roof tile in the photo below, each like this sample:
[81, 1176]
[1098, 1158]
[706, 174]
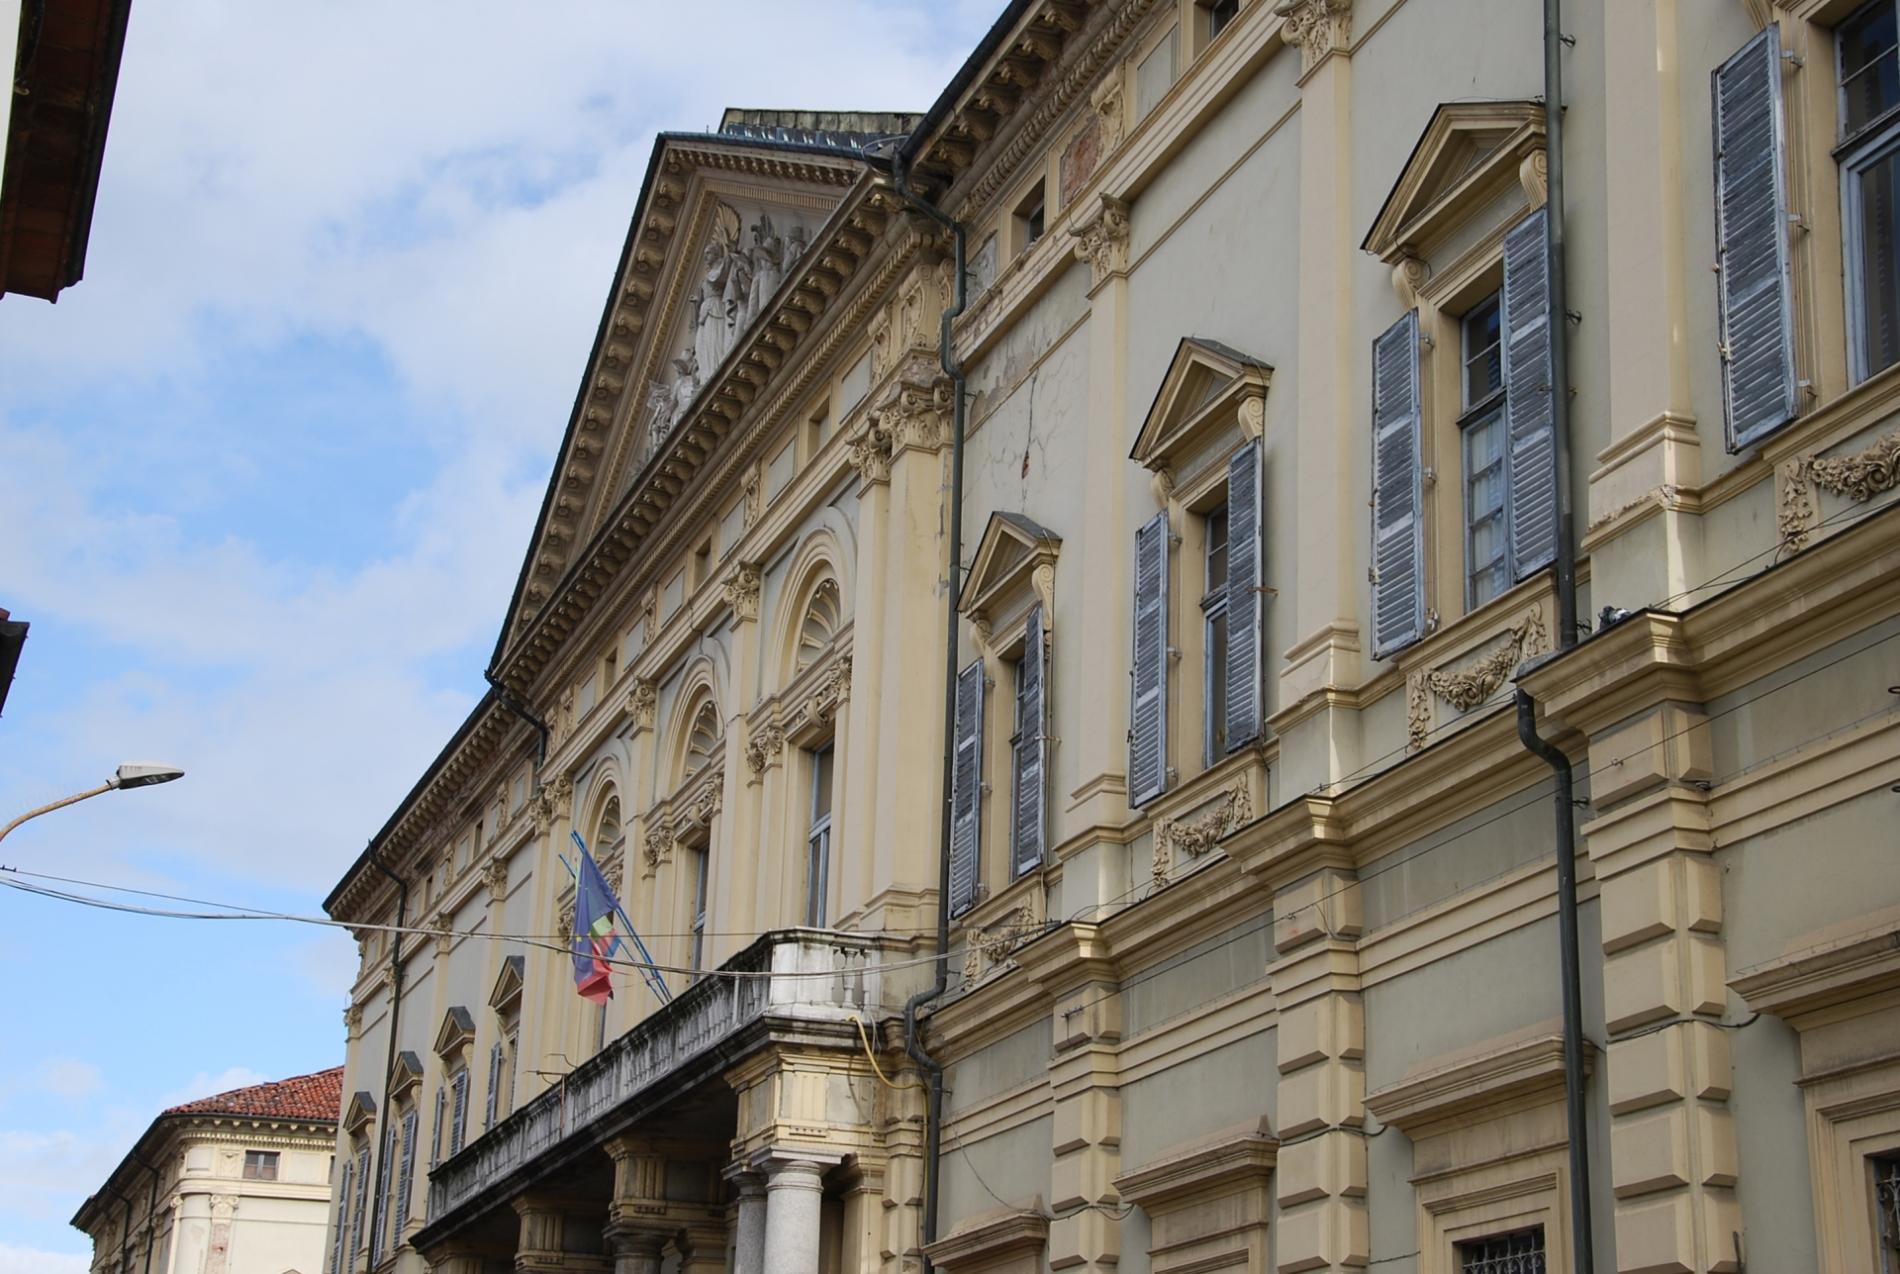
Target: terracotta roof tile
[318, 1096]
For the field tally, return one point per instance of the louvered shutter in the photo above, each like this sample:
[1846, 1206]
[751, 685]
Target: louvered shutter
[494, 1086]
[340, 1245]
[407, 1175]
[1529, 404]
[1245, 599]
[435, 1129]
[514, 1055]
[385, 1193]
[357, 1236]
[458, 1116]
[1148, 679]
[1754, 287]
[966, 789]
[1032, 725]
[1398, 529]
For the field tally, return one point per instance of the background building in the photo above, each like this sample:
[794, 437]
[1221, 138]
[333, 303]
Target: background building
[238, 1183]
[1254, 950]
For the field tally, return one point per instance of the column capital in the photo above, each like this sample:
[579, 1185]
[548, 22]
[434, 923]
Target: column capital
[1101, 240]
[1317, 28]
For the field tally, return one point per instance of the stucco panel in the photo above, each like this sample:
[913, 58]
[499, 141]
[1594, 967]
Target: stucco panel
[1204, 1094]
[1509, 834]
[1010, 1061]
[1209, 970]
[1007, 1170]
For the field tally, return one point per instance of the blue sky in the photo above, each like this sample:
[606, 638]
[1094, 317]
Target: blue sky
[267, 474]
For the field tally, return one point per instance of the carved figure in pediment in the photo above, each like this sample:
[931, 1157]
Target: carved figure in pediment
[685, 386]
[711, 331]
[768, 265]
[796, 242]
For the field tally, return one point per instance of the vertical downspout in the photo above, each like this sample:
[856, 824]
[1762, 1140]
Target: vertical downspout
[507, 700]
[913, 1042]
[389, 1063]
[1576, 1114]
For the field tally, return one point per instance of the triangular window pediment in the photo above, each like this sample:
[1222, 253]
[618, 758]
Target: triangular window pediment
[506, 997]
[1007, 556]
[457, 1030]
[406, 1074]
[1208, 388]
[360, 1112]
[1468, 153]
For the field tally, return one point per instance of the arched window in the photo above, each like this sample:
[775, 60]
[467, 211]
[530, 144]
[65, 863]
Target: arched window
[702, 739]
[823, 617]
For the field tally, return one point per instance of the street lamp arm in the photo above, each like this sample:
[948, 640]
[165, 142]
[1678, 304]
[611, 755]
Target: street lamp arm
[64, 801]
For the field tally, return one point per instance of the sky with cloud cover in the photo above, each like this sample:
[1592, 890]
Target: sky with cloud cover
[268, 472]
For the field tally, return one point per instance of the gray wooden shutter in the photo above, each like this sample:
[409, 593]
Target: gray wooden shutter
[340, 1245]
[1032, 745]
[435, 1129]
[966, 789]
[357, 1237]
[1148, 679]
[1755, 286]
[458, 1117]
[494, 1086]
[1245, 600]
[1529, 402]
[407, 1177]
[1398, 525]
[385, 1192]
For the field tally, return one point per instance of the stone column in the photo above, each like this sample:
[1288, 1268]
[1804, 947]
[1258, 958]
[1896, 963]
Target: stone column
[1091, 780]
[702, 1248]
[749, 1256]
[635, 1250]
[738, 858]
[1327, 641]
[559, 1235]
[1673, 1159]
[794, 1195]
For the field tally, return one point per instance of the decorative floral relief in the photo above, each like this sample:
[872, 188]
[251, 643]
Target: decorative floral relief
[1102, 240]
[991, 945]
[657, 845]
[1196, 836]
[1470, 686]
[1859, 477]
[763, 747]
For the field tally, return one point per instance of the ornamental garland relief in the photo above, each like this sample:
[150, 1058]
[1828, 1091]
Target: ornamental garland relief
[988, 949]
[1466, 688]
[1870, 472]
[1196, 836]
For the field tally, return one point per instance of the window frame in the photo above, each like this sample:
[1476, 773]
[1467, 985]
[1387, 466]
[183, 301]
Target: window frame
[1487, 412]
[1213, 607]
[264, 1158]
[1878, 141]
[823, 760]
[1483, 1261]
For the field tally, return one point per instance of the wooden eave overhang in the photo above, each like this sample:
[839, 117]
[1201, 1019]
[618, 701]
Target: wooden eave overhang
[63, 85]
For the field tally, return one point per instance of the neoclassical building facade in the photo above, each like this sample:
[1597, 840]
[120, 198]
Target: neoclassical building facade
[1192, 611]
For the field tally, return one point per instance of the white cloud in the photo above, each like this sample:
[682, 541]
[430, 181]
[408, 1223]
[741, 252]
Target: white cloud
[68, 1078]
[46, 1175]
[26, 1260]
[206, 1084]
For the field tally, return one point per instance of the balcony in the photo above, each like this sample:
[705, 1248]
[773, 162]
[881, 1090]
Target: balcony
[795, 975]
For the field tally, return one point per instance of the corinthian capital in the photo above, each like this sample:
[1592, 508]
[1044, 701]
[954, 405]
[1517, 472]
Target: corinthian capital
[1318, 28]
[1102, 240]
[742, 590]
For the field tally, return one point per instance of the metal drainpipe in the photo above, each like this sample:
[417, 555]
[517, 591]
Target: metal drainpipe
[913, 1042]
[506, 698]
[395, 1021]
[1583, 1258]
[151, 1209]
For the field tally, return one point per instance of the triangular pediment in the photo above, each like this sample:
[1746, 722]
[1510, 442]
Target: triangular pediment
[506, 997]
[406, 1074]
[1205, 384]
[731, 229]
[360, 1112]
[1467, 152]
[457, 1030]
[1007, 556]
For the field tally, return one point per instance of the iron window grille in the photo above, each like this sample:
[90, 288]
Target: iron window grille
[1520, 1252]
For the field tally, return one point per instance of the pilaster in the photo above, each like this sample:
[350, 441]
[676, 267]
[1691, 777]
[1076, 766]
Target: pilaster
[1092, 768]
[749, 902]
[545, 1002]
[1326, 649]
[1321, 1175]
[559, 1235]
[1673, 1158]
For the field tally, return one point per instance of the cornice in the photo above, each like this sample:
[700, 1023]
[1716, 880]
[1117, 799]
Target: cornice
[1827, 975]
[990, 1238]
[1497, 1081]
[1239, 1156]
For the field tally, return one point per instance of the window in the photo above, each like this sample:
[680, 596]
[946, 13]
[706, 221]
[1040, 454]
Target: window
[818, 428]
[1482, 427]
[818, 840]
[700, 857]
[1214, 629]
[966, 788]
[1220, 15]
[1028, 749]
[1029, 220]
[1869, 70]
[1518, 1253]
[702, 563]
[1886, 1174]
[260, 1165]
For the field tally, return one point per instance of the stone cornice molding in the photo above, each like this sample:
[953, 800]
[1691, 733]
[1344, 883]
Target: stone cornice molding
[1069, 956]
[990, 1238]
[1496, 1082]
[1239, 1156]
[1824, 979]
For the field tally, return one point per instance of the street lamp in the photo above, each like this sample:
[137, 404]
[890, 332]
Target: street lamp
[126, 776]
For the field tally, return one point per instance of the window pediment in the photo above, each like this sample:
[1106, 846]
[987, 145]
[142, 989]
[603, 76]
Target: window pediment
[456, 1032]
[406, 1074]
[1209, 389]
[1468, 153]
[360, 1113]
[1490, 1081]
[506, 997]
[1012, 550]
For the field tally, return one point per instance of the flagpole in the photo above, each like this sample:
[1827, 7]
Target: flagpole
[655, 981]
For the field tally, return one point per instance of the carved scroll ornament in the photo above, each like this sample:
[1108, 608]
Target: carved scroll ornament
[1468, 687]
[1859, 477]
[1196, 836]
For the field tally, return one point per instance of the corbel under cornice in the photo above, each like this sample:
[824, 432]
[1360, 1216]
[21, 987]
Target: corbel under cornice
[1068, 956]
[1302, 836]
